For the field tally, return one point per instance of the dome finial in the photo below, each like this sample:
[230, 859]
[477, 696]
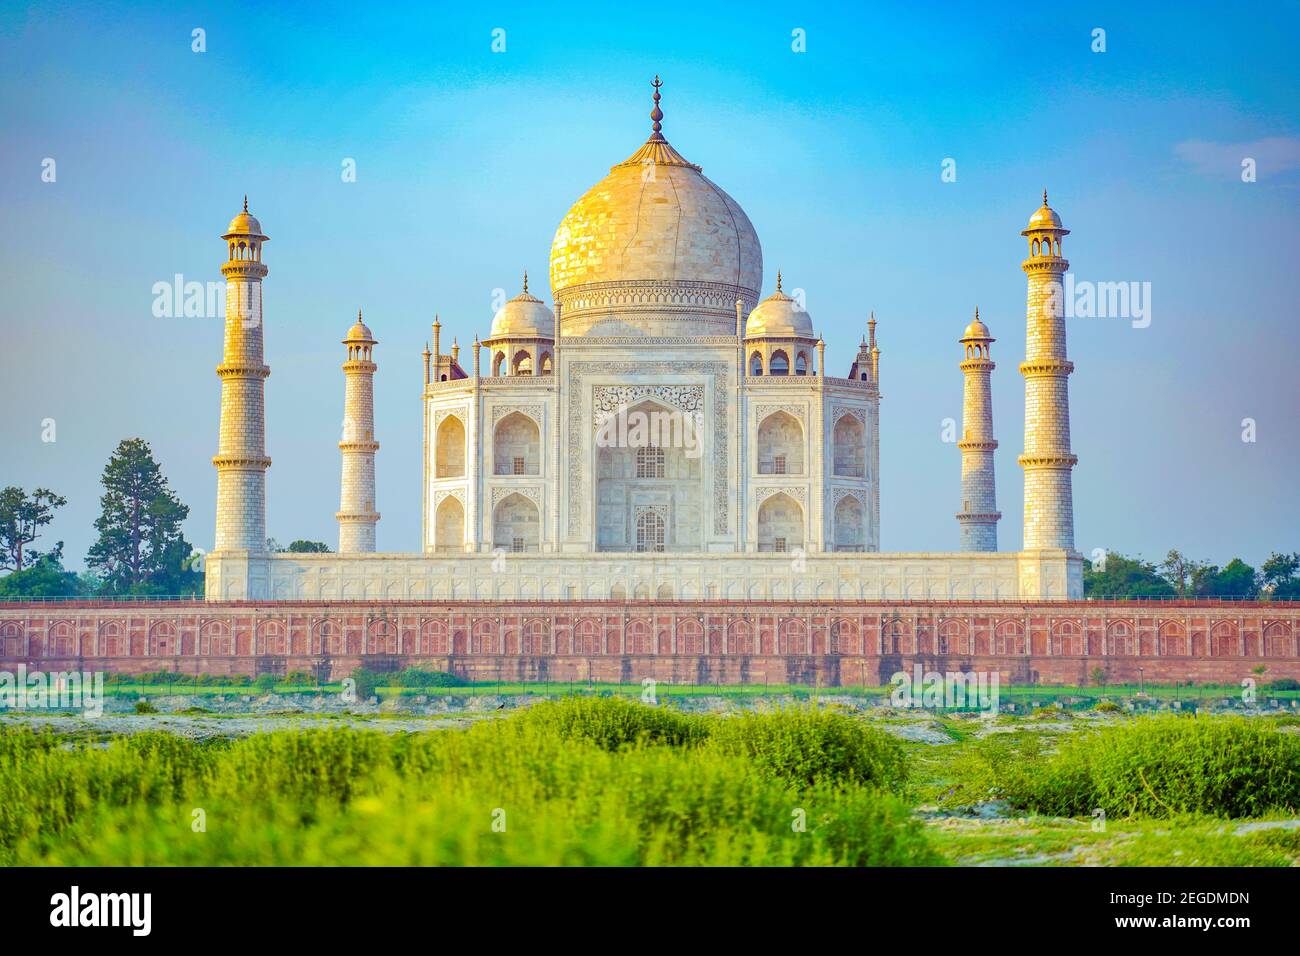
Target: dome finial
[245, 202]
[1044, 195]
[778, 280]
[525, 281]
[657, 114]
[977, 313]
[358, 315]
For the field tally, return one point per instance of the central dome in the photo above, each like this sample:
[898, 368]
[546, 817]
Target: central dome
[655, 248]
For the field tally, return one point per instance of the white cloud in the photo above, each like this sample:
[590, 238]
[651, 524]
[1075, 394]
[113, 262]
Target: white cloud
[1273, 155]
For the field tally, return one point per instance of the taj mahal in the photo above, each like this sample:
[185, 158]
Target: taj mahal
[662, 430]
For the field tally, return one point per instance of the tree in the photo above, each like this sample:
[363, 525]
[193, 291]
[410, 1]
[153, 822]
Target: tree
[1183, 574]
[1279, 577]
[1237, 580]
[1098, 676]
[44, 578]
[1121, 577]
[21, 518]
[308, 547]
[140, 549]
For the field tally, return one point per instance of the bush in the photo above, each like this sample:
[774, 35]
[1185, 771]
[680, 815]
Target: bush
[414, 677]
[1285, 683]
[155, 678]
[1106, 707]
[143, 706]
[809, 745]
[367, 682]
[614, 722]
[1155, 767]
[574, 796]
[265, 683]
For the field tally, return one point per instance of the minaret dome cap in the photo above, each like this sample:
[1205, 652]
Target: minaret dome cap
[360, 333]
[1044, 218]
[977, 330]
[244, 225]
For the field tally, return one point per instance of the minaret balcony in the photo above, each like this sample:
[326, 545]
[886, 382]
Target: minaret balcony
[243, 269]
[1047, 461]
[1049, 264]
[241, 370]
[1046, 366]
[241, 461]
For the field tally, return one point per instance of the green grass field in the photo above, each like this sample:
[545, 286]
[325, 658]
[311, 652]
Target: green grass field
[602, 780]
[1076, 697]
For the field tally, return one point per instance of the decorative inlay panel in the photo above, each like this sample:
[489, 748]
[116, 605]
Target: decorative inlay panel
[532, 411]
[838, 494]
[532, 493]
[799, 494]
[798, 412]
[608, 399]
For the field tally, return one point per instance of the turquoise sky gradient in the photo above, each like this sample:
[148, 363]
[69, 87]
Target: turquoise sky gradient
[467, 160]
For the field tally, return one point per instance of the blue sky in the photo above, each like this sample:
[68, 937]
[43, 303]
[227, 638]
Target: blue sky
[467, 160]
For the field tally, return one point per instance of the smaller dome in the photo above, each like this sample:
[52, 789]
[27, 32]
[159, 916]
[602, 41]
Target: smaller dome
[524, 316]
[245, 224]
[360, 332]
[778, 314]
[1045, 217]
[976, 330]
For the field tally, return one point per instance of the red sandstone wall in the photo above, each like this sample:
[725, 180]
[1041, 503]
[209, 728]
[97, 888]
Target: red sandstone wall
[680, 642]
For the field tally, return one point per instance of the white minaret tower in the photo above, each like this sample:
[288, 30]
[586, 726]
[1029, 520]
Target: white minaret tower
[978, 518]
[1047, 461]
[241, 445]
[357, 515]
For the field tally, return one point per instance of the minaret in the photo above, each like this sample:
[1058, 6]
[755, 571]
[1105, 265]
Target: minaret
[357, 515]
[1047, 461]
[241, 445]
[875, 352]
[978, 518]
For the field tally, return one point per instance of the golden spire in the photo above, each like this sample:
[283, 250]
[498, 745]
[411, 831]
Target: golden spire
[778, 280]
[245, 202]
[1044, 195]
[525, 282]
[657, 114]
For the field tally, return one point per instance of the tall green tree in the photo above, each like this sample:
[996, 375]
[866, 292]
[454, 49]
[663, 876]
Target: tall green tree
[22, 516]
[1236, 580]
[1121, 577]
[140, 549]
[1184, 575]
[1279, 577]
